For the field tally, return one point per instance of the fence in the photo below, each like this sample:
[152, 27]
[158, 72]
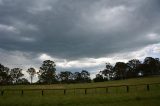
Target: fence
[84, 91]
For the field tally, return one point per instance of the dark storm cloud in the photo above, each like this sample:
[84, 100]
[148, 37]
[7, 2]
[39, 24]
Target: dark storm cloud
[78, 29]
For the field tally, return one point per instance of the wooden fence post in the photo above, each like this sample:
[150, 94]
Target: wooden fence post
[42, 93]
[127, 87]
[148, 87]
[2, 92]
[22, 92]
[64, 91]
[107, 90]
[95, 90]
[85, 91]
[74, 91]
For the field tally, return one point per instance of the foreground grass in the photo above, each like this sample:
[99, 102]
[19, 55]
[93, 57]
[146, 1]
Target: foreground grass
[116, 97]
[140, 99]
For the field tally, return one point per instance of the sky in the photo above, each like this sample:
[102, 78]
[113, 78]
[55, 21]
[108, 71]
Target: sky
[78, 34]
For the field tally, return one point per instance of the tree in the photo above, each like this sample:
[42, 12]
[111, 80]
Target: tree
[16, 74]
[108, 71]
[47, 71]
[151, 66]
[22, 81]
[85, 76]
[77, 77]
[133, 68]
[4, 75]
[99, 78]
[31, 72]
[121, 69]
[66, 76]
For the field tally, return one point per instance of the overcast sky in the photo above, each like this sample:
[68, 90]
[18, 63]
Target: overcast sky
[78, 34]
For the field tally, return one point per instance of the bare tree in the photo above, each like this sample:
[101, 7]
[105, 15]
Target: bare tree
[31, 71]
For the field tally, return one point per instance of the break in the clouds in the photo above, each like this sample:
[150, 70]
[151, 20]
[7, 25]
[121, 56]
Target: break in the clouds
[78, 33]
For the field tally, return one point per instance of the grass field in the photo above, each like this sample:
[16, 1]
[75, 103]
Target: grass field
[137, 95]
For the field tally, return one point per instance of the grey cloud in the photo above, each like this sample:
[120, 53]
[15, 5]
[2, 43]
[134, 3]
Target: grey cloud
[70, 28]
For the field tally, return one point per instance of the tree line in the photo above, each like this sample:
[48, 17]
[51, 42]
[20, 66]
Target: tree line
[47, 73]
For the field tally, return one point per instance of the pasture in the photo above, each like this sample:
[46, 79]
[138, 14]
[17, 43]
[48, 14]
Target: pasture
[112, 93]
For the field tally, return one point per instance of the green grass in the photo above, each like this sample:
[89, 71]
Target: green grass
[140, 99]
[82, 85]
[137, 95]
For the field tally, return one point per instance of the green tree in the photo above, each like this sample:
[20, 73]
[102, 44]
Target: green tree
[85, 76]
[108, 71]
[23, 81]
[133, 67]
[77, 77]
[31, 72]
[121, 69]
[151, 66]
[47, 72]
[98, 78]
[66, 76]
[16, 74]
[4, 75]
